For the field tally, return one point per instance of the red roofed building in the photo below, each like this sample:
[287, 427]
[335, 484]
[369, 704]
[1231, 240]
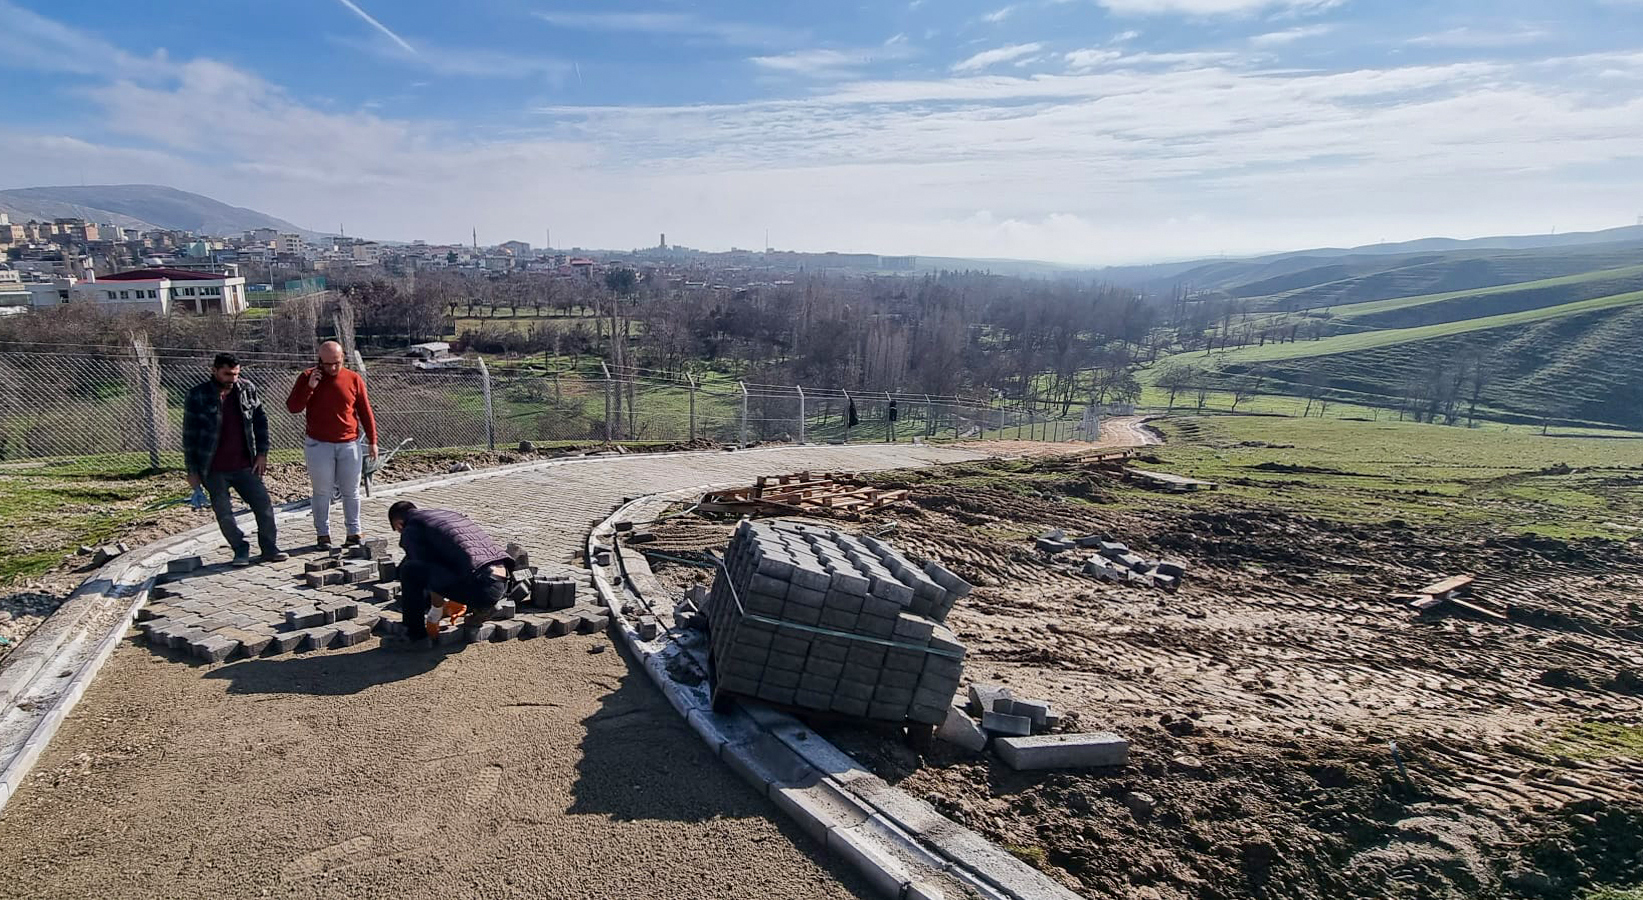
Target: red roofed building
[165, 291]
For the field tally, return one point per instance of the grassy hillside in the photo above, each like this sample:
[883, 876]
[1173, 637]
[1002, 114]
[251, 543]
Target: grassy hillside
[1368, 340]
[1432, 309]
[1586, 367]
[1387, 279]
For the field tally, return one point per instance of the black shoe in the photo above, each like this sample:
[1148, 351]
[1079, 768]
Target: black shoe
[354, 540]
[275, 556]
[323, 542]
[242, 558]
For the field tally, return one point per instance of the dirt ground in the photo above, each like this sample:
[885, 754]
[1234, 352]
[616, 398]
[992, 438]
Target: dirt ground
[1296, 732]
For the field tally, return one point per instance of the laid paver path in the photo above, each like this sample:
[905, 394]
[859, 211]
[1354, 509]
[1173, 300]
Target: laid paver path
[523, 769]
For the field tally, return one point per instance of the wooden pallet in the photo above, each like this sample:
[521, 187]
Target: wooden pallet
[800, 494]
[1169, 482]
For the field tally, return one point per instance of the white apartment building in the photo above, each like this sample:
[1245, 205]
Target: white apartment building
[166, 291]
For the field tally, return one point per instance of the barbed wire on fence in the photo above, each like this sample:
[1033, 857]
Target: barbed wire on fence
[96, 409]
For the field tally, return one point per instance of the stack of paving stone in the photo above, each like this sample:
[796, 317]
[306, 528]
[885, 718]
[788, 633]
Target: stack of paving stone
[811, 617]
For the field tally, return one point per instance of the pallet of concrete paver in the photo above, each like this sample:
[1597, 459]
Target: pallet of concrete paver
[814, 618]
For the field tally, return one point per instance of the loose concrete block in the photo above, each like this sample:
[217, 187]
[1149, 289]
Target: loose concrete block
[320, 637]
[517, 552]
[564, 595]
[926, 713]
[649, 627]
[519, 593]
[286, 641]
[351, 633]
[252, 643]
[1063, 751]
[504, 610]
[387, 570]
[480, 635]
[532, 626]
[182, 565]
[507, 630]
[318, 565]
[1174, 568]
[213, 648]
[592, 623]
[1167, 582]
[450, 636]
[1004, 723]
[944, 642]
[304, 617]
[339, 611]
[384, 593]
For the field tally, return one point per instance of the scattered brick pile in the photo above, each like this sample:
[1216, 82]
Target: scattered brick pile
[811, 617]
[1113, 561]
[337, 599]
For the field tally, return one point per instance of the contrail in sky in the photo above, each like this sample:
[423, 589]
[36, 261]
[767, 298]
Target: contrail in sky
[377, 25]
[578, 72]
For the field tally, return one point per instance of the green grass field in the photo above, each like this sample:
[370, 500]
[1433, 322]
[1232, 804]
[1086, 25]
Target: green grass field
[1426, 475]
[1551, 286]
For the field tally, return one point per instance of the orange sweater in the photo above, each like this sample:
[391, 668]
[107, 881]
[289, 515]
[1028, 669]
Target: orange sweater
[336, 409]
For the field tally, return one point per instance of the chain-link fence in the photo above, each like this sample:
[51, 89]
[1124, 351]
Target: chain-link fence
[105, 410]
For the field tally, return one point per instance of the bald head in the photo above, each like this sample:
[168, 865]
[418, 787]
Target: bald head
[330, 359]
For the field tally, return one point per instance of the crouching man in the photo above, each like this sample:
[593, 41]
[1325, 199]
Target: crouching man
[447, 557]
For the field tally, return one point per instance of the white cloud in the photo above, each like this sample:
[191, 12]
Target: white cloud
[1211, 7]
[1000, 14]
[1475, 37]
[1124, 37]
[1097, 58]
[737, 33]
[1290, 35]
[474, 62]
[1080, 60]
[997, 55]
[1114, 164]
[812, 61]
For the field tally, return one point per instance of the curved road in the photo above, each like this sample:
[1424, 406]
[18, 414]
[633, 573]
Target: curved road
[520, 769]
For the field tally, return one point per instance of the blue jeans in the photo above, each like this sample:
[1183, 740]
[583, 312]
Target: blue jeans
[249, 486]
[333, 469]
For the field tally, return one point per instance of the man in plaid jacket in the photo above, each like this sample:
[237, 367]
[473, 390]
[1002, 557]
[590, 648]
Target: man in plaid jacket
[225, 445]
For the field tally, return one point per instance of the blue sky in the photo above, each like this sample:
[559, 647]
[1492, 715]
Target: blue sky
[1086, 131]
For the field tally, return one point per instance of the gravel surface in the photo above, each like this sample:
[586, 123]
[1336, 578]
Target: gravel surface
[528, 769]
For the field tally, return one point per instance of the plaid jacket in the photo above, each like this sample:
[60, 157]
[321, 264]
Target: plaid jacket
[202, 423]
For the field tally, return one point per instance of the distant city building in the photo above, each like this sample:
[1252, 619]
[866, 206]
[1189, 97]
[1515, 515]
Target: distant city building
[166, 291]
[898, 263]
[515, 248]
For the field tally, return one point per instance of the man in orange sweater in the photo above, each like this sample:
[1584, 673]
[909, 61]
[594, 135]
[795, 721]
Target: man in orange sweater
[338, 412]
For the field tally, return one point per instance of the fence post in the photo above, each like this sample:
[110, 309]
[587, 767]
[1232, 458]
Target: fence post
[800, 389]
[929, 418]
[743, 386]
[847, 402]
[359, 366]
[692, 380]
[490, 411]
[148, 377]
[889, 426]
[610, 434]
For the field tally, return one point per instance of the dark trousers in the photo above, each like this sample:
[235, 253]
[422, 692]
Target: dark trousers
[480, 592]
[249, 486]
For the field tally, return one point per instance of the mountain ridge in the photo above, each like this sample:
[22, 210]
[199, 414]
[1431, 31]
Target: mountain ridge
[142, 206]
